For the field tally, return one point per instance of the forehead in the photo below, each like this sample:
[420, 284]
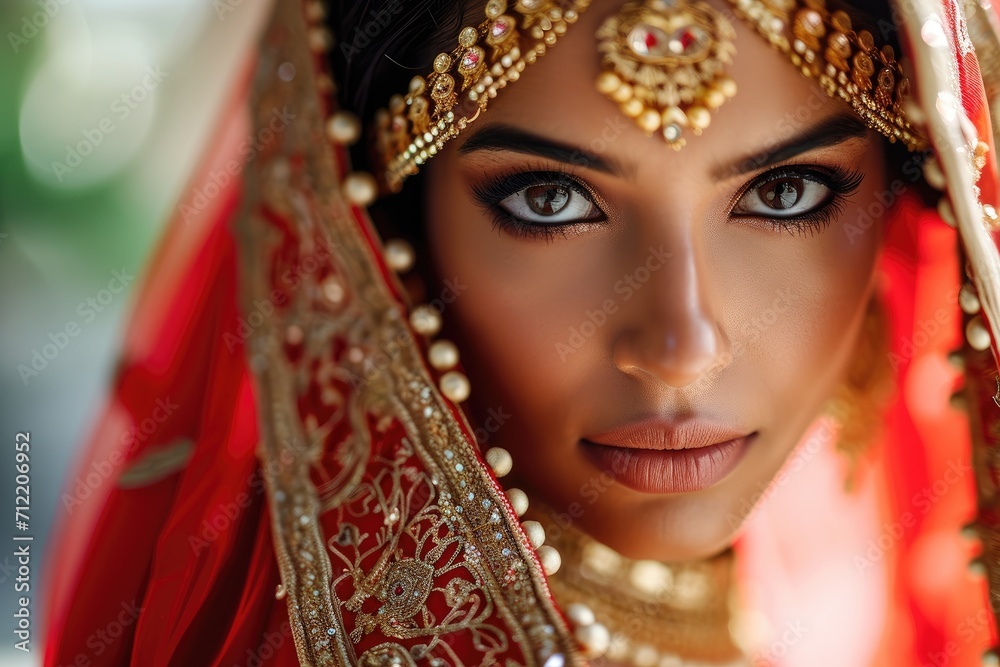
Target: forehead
[557, 97]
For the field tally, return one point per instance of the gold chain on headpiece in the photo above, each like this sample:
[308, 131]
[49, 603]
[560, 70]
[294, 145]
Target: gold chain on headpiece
[662, 64]
[417, 125]
[847, 64]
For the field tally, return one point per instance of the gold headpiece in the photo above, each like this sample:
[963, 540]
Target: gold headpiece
[847, 64]
[417, 125]
[662, 63]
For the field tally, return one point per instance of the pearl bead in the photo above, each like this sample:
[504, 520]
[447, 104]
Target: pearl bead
[933, 174]
[425, 320]
[633, 108]
[968, 300]
[622, 93]
[969, 531]
[455, 386]
[946, 212]
[343, 127]
[956, 360]
[699, 117]
[333, 290]
[977, 334]
[714, 99]
[535, 532]
[991, 658]
[727, 86]
[555, 660]
[293, 334]
[399, 255]
[500, 460]
[649, 121]
[360, 188]
[608, 82]
[645, 655]
[518, 500]
[551, 560]
[280, 592]
[319, 40]
[443, 355]
[315, 12]
[977, 566]
[958, 400]
[594, 638]
[580, 614]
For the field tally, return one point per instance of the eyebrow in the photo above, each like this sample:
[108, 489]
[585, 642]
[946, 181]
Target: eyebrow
[499, 137]
[829, 132]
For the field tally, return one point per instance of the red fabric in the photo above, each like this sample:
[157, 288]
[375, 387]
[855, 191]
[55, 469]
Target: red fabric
[194, 553]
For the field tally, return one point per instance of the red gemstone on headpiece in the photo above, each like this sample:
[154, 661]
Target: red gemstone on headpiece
[470, 60]
[500, 28]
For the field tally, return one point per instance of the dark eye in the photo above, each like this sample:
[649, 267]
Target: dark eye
[784, 197]
[550, 203]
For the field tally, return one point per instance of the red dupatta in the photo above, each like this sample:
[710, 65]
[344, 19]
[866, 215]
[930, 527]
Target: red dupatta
[292, 478]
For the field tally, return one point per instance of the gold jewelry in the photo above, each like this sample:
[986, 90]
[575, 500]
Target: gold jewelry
[416, 126]
[663, 64]
[847, 64]
[858, 403]
[643, 612]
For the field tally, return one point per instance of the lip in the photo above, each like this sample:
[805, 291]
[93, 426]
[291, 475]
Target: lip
[657, 456]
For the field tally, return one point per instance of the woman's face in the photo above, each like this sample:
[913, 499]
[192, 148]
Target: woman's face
[649, 332]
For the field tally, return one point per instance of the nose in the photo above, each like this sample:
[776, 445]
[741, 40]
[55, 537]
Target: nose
[674, 334]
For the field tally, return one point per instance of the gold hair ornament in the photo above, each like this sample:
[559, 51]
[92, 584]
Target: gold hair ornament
[442, 104]
[846, 63]
[663, 64]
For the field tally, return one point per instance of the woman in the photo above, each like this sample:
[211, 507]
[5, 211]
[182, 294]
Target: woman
[641, 256]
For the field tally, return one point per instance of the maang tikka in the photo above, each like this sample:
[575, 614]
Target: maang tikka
[663, 63]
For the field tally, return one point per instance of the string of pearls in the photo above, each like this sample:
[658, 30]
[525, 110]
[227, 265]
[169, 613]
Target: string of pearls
[361, 189]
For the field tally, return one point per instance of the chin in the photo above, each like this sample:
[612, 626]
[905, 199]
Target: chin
[686, 527]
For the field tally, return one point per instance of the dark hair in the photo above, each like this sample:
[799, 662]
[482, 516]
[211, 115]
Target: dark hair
[381, 44]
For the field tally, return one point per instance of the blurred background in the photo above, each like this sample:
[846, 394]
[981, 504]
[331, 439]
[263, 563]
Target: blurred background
[104, 106]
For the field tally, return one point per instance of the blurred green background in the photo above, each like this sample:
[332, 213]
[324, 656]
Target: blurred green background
[105, 108]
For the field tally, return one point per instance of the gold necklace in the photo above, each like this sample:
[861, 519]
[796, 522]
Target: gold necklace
[651, 614]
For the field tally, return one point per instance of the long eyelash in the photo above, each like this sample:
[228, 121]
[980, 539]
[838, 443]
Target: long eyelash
[510, 181]
[842, 184]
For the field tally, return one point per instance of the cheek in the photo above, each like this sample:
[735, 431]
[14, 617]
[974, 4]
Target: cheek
[522, 302]
[795, 327]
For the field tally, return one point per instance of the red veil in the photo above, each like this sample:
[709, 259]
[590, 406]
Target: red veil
[255, 434]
